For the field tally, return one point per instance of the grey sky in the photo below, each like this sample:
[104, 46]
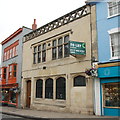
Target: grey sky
[17, 13]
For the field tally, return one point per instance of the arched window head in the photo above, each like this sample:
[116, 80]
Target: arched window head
[79, 81]
[39, 88]
[61, 88]
[49, 88]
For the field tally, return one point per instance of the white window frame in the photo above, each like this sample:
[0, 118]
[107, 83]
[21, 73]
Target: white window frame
[109, 16]
[113, 31]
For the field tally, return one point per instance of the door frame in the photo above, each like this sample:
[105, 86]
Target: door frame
[28, 93]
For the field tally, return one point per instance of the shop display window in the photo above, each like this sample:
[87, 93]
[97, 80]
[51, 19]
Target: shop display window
[5, 95]
[111, 95]
[12, 96]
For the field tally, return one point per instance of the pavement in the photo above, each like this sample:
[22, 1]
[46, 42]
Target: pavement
[49, 115]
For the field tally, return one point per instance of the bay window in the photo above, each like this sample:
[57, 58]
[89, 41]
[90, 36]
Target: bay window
[12, 73]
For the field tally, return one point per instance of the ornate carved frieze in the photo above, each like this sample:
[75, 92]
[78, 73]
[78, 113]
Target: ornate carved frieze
[76, 14]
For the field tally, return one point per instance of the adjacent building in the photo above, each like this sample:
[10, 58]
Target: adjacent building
[107, 85]
[11, 68]
[55, 57]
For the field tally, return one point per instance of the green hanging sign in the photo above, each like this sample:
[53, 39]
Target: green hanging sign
[77, 48]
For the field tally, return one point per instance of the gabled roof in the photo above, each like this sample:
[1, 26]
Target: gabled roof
[12, 36]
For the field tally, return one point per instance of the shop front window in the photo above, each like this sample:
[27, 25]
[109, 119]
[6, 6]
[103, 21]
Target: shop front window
[5, 95]
[111, 92]
[12, 97]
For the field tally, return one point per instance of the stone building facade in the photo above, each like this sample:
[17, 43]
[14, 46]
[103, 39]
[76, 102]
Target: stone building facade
[54, 79]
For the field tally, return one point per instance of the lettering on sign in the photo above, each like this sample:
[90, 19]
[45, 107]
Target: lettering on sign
[77, 48]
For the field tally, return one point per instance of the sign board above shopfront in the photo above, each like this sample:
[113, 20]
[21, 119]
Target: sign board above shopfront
[77, 48]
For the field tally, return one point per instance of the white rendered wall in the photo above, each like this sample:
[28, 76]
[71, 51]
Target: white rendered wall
[97, 107]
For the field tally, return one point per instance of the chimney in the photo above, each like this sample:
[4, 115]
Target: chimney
[34, 25]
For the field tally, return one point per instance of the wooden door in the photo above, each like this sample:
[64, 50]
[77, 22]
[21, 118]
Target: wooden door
[28, 94]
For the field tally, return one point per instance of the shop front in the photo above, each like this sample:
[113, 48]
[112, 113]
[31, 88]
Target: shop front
[9, 95]
[110, 90]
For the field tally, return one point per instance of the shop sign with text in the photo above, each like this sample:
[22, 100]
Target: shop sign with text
[77, 48]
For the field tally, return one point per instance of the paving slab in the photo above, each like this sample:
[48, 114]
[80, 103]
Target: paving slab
[30, 113]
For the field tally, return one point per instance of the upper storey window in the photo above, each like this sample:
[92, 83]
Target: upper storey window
[39, 53]
[3, 73]
[60, 47]
[11, 51]
[44, 52]
[114, 8]
[115, 45]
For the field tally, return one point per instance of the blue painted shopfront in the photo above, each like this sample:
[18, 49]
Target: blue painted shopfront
[110, 76]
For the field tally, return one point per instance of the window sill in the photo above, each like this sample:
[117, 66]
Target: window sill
[112, 107]
[113, 16]
[114, 58]
[10, 58]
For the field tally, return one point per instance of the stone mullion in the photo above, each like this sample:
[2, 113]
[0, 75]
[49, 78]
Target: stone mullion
[54, 88]
[43, 88]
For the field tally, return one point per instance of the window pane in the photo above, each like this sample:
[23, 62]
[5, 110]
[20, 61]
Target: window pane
[10, 69]
[113, 8]
[49, 88]
[43, 56]
[35, 49]
[79, 81]
[5, 95]
[16, 52]
[4, 73]
[34, 58]
[39, 57]
[59, 41]
[54, 53]
[61, 88]
[39, 88]
[10, 53]
[115, 44]
[111, 94]
[54, 43]
[66, 50]
[44, 46]
[54, 49]
[39, 48]
[60, 52]
[66, 39]
[13, 97]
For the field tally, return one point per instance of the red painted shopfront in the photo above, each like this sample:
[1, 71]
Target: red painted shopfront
[8, 86]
